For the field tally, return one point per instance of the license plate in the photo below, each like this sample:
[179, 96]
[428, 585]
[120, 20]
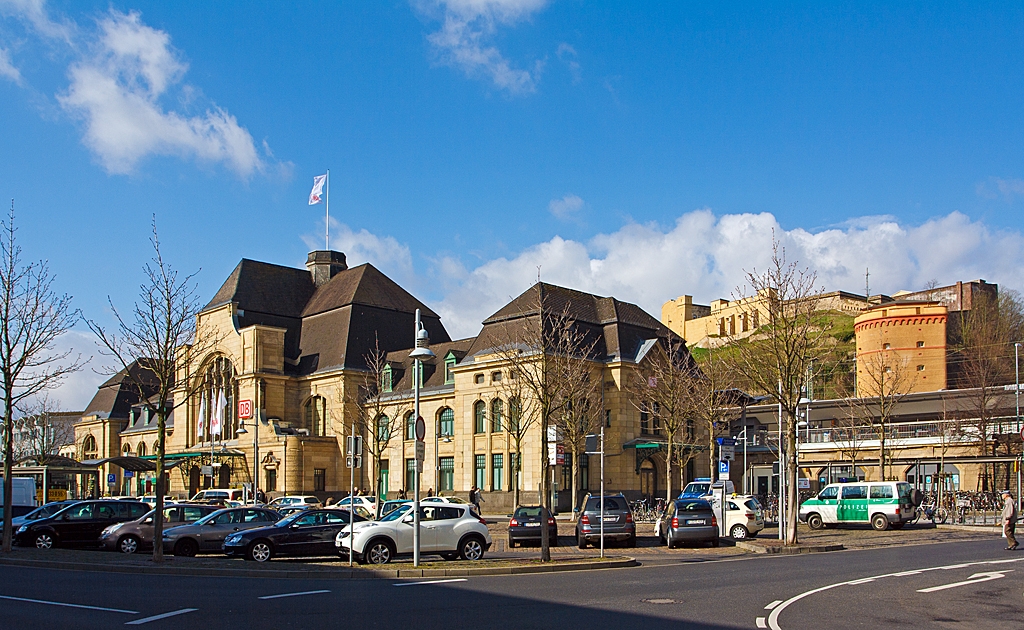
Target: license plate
[695, 521]
[611, 519]
[531, 524]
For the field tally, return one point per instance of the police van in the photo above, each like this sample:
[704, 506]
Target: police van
[880, 503]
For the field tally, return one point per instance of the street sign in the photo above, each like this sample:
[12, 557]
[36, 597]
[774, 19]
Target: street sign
[356, 448]
[421, 429]
[128, 474]
[206, 471]
[245, 409]
[421, 451]
[358, 462]
[111, 479]
[723, 467]
[556, 454]
[803, 483]
[727, 448]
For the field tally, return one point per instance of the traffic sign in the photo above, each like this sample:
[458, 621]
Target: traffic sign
[421, 451]
[727, 448]
[421, 429]
[245, 409]
[111, 479]
[723, 467]
[358, 461]
[128, 474]
[354, 444]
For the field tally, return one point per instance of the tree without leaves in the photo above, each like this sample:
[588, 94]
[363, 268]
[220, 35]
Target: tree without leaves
[44, 430]
[32, 318]
[774, 360]
[156, 335]
[883, 380]
[520, 419]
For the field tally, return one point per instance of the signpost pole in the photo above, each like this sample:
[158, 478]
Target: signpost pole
[351, 494]
[602, 491]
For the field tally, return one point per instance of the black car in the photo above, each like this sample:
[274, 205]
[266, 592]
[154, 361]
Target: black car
[688, 520]
[309, 533]
[41, 512]
[525, 525]
[78, 524]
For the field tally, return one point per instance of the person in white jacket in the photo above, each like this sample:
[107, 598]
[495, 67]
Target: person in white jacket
[1009, 520]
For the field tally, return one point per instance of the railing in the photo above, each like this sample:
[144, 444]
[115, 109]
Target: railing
[960, 431]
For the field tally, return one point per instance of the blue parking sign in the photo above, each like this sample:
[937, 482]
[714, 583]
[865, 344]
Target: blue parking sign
[111, 479]
[723, 467]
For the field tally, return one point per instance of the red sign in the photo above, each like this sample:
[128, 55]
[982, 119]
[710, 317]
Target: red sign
[245, 409]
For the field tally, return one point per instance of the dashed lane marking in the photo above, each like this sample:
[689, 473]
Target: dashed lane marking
[299, 594]
[173, 613]
[761, 623]
[430, 582]
[773, 604]
[67, 605]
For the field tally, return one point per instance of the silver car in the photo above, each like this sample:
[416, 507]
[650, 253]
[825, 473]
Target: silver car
[208, 533]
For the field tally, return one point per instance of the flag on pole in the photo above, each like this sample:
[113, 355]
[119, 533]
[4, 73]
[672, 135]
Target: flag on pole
[217, 422]
[201, 424]
[316, 195]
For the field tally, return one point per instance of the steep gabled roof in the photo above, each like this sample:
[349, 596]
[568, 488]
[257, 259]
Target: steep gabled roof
[260, 287]
[115, 397]
[367, 286]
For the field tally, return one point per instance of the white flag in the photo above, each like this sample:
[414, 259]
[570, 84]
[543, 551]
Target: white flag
[201, 424]
[217, 422]
[318, 190]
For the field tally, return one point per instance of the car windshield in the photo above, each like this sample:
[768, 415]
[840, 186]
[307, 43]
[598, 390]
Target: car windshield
[287, 520]
[610, 503]
[692, 506]
[208, 518]
[397, 514]
[697, 488]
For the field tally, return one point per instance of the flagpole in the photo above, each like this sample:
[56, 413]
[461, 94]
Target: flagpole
[327, 228]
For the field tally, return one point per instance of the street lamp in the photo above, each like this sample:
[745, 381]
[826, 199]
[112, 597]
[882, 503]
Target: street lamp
[255, 424]
[420, 352]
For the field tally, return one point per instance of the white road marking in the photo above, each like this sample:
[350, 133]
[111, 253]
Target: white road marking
[293, 594]
[773, 618]
[864, 581]
[760, 622]
[173, 613]
[66, 605]
[773, 604]
[904, 573]
[977, 578]
[429, 582]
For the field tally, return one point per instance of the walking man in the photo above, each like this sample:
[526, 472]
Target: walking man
[1009, 519]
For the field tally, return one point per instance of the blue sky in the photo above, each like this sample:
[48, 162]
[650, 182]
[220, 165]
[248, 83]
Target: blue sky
[640, 150]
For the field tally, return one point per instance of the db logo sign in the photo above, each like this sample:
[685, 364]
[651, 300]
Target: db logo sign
[245, 409]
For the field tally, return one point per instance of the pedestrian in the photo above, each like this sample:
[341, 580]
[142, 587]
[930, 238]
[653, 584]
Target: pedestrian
[1009, 520]
[330, 502]
[401, 493]
[475, 498]
[430, 492]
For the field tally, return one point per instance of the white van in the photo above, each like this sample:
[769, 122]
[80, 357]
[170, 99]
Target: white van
[23, 496]
[218, 494]
[881, 503]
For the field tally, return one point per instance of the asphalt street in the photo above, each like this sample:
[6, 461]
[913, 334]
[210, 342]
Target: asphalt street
[946, 585]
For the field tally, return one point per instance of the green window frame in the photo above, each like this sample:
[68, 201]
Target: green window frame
[386, 383]
[383, 428]
[515, 413]
[497, 471]
[446, 419]
[449, 369]
[497, 411]
[479, 417]
[480, 470]
[410, 427]
[410, 475]
[447, 480]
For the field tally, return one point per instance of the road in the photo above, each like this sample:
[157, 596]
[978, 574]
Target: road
[949, 585]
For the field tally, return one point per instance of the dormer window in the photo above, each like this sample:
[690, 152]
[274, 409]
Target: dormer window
[449, 369]
[385, 379]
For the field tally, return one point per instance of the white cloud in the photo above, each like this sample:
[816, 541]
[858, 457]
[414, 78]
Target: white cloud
[567, 54]
[996, 187]
[117, 88]
[7, 69]
[567, 207]
[466, 27]
[383, 252]
[35, 14]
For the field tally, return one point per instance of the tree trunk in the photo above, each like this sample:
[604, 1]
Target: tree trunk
[881, 454]
[158, 516]
[515, 477]
[545, 500]
[792, 492]
[668, 472]
[575, 482]
[8, 534]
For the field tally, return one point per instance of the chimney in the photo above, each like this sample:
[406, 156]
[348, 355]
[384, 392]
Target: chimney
[324, 265]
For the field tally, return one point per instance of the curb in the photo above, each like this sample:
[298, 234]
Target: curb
[783, 550]
[319, 573]
[993, 529]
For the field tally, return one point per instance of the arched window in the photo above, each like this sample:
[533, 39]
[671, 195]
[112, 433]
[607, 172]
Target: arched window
[142, 449]
[410, 426]
[515, 414]
[383, 428]
[316, 415]
[446, 420]
[219, 392]
[156, 447]
[479, 417]
[126, 450]
[497, 410]
[89, 450]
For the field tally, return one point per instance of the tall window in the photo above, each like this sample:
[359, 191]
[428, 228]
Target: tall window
[497, 410]
[319, 479]
[386, 384]
[480, 469]
[385, 478]
[316, 415]
[584, 472]
[446, 419]
[271, 480]
[410, 475]
[410, 426]
[645, 423]
[142, 449]
[447, 481]
[567, 473]
[383, 428]
[449, 370]
[497, 471]
[89, 450]
[479, 416]
[515, 413]
[126, 450]
[219, 380]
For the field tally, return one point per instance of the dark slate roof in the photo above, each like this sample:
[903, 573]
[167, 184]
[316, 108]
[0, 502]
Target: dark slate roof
[618, 329]
[433, 370]
[332, 326]
[115, 398]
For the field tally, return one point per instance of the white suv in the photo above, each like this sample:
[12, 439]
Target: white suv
[447, 529]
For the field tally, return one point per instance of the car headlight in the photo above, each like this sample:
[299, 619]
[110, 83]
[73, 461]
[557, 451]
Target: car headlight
[23, 529]
[232, 539]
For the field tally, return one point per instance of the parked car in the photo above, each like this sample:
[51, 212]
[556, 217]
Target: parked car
[703, 487]
[688, 520]
[389, 506]
[525, 525]
[309, 533]
[305, 500]
[881, 503]
[137, 535]
[618, 521]
[217, 494]
[744, 516]
[208, 533]
[367, 503]
[41, 512]
[78, 524]
[449, 530]
[150, 499]
[455, 500]
[288, 510]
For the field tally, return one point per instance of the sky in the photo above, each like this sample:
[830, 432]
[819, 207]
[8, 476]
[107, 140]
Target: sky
[638, 150]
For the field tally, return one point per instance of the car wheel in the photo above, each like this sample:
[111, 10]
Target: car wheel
[186, 548]
[378, 552]
[814, 521]
[738, 532]
[128, 544]
[449, 555]
[880, 522]
[44, 541]
[260, 551]
[715, 542]
[471, 548]
[582, 541]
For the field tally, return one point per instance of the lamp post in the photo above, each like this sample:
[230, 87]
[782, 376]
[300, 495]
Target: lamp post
[1016, 372]
[420, 352]
[255, 424]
